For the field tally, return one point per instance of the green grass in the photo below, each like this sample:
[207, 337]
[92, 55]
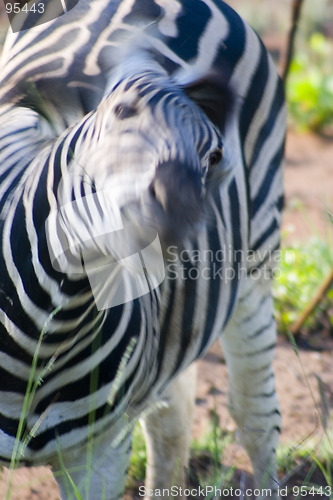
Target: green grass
[303, 268]
[310, 85]
[306, 470]
[137, 468]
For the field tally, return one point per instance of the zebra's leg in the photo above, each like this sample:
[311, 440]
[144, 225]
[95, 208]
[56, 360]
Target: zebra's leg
[96, 470]
[248, 344]
[167, 432]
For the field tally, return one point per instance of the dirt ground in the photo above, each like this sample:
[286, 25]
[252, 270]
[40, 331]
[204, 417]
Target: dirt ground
[309, 184]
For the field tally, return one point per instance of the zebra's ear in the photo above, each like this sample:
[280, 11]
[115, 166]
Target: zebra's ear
[213, 96]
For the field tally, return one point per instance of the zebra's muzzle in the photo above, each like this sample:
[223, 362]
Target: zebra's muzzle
[176, 201]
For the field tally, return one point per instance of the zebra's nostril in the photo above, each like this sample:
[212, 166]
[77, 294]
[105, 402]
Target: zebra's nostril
[151, 190]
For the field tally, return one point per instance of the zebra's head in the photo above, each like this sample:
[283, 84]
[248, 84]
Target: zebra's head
[159, 146]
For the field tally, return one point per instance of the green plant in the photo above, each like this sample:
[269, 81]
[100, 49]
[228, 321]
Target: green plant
[137, 468]
[310, 85]
[301, 271]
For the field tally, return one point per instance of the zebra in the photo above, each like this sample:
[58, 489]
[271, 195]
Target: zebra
[176, 109]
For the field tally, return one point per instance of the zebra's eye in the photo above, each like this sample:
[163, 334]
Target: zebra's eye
[215, 157]
[123, 111]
